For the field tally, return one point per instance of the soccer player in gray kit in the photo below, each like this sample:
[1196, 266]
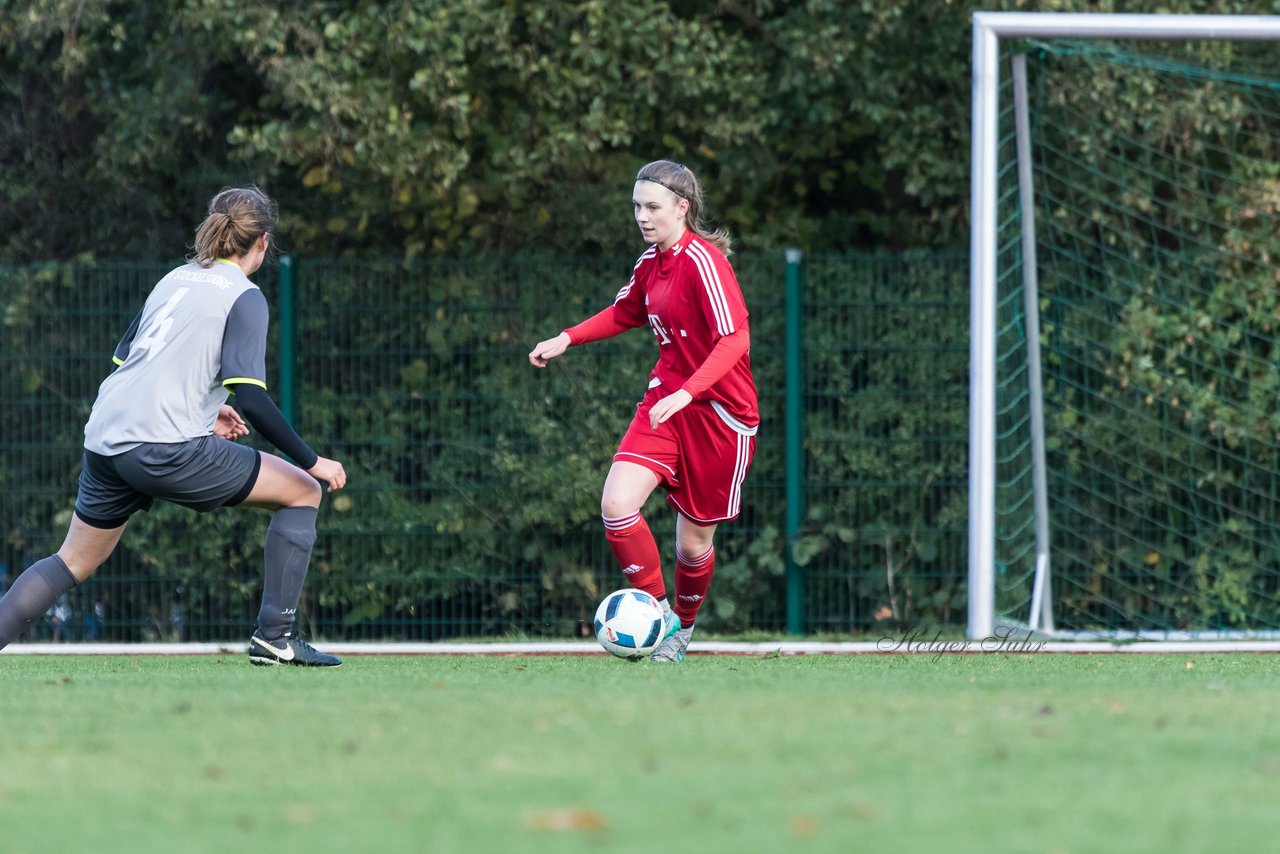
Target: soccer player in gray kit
[161, 428]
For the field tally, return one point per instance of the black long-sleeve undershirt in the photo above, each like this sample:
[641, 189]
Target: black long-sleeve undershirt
[261, 411]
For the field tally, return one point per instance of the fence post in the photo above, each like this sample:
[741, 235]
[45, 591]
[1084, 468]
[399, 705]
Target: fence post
[794, 441]
[288, 340]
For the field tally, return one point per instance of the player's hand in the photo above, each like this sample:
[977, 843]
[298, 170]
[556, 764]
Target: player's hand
[668, 406]
[229, 424]
[330, 472]
[549, 349]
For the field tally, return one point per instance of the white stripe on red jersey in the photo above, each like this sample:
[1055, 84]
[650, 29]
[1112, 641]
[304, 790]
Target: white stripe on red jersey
[647, 459]
[626, 289]
[739, 475]
[690, 297]
[711, 283]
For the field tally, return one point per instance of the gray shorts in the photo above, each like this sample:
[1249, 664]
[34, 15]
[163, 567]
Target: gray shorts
[202, 474]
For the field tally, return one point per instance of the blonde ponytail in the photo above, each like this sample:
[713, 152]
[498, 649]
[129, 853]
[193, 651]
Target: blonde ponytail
[238, 216]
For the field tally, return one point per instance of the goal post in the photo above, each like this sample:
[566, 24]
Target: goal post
[990, 30]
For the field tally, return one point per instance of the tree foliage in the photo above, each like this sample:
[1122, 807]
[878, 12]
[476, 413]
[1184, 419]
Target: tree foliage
[415, 127]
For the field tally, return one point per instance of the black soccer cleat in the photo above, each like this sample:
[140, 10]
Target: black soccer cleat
[288, 649]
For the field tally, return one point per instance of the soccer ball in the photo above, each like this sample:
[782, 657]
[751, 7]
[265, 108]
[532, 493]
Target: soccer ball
[629, 624]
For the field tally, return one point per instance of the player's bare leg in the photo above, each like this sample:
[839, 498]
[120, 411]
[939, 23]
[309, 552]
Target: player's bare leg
[35, 591]
[282, 484]
[85, 548]
[626, 489]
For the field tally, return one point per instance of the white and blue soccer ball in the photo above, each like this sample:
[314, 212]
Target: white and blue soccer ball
[629, 624]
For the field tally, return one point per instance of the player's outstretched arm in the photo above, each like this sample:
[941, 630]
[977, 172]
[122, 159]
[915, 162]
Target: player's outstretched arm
[549, 349]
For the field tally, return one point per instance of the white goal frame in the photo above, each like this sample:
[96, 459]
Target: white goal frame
[988, 29]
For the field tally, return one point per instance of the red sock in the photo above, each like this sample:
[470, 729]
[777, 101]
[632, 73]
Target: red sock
[693, 577]
[637, 553]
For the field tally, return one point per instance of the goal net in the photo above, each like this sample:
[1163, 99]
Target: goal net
[1135, 392]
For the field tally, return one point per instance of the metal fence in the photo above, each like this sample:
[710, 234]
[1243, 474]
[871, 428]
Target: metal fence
[473, 503]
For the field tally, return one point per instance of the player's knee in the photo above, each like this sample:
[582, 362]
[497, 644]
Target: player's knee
[309, 491]
[614, 505]
[693, 546]
[694, 540]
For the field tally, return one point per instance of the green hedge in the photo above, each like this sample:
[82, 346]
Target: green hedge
[473, 504]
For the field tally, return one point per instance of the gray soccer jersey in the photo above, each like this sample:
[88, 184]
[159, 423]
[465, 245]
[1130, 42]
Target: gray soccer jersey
[200, 330]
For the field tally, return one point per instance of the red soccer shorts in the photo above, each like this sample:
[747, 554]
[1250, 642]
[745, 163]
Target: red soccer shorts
[701, 456]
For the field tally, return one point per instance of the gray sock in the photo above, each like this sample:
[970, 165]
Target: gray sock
[31, 595]
[287, 553]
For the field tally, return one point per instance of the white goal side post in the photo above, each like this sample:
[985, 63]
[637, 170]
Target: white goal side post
[989, 28]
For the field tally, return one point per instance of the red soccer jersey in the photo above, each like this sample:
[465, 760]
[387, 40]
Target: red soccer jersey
[690, 297]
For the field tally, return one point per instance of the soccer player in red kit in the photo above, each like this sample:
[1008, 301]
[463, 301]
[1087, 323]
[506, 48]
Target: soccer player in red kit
[694, 432]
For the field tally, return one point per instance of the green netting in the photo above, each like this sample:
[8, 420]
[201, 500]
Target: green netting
[886, 409]
[473, 502]
[1157, 186]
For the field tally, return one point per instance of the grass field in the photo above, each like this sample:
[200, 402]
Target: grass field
[913, 753]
